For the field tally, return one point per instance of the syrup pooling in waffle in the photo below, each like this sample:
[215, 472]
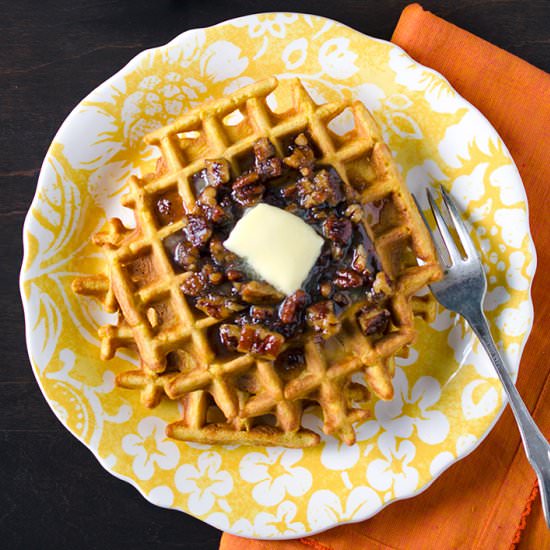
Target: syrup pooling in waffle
[245, 359]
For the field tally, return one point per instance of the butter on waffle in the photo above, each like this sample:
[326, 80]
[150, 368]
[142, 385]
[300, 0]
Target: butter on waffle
[246, 398]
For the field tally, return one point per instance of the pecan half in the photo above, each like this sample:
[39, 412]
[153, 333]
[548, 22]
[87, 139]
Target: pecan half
[260, 341]
[211, 274]
[193, 284]
[187, 256]
[247, 189]
[234, 275]
[302, 156]
[325, 189]
[217, 171]
[262, 314]
[229, 336]
[219, 253]
[292, 305]
[360, 262]
[217, 306]
[348, 278]
[322, 319]
[196, 229]
[263, 149]
[164, 206]
[270, 168]
[337, 229]
[328, 183]
[208, 205]
[257, 292]
[267, 164]
[373, 321]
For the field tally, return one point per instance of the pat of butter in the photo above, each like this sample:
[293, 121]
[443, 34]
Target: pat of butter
[280, 247]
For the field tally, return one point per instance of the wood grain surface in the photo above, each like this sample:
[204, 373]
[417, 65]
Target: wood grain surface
[53, 492]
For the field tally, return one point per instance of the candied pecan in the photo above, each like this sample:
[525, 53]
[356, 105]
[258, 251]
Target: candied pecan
[234, 275]
[260, 341]
[322, 319]
[270, 168]
[216, 277]
[262, 314]
[217, 306]
[193, 284]
[211, 274]
[247, 190]
[324, 190]
[348, 278]
[229, 336]
[208, 205]
[337, 229]
[289, 191]
[291, 306]
[325, 289]
[219, 253]
[258, 292]
[301, 154]
[164, 206]
[328, 183]
[196, 229]
[217, 171]
[186, 256]
[263, 149]
[245, 180]
[306, 193]
[317, 214]
[360, 262]
[354, 212]
[372, 320]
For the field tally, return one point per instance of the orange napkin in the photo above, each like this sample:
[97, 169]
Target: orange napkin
[484, 500]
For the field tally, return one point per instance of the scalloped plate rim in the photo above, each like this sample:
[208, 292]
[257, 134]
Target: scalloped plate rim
[29, 222]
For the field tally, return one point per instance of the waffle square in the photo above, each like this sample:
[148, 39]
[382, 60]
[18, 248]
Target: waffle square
[244, 398]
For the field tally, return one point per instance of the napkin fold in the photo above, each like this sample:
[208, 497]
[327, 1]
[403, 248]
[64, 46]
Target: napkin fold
[485, 500]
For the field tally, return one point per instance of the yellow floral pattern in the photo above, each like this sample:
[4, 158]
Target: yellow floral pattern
[447, 396]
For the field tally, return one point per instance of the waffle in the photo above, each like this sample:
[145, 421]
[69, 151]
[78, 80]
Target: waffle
[243, 398]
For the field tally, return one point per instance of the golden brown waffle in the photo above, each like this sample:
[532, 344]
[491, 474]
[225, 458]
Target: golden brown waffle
[243, 398]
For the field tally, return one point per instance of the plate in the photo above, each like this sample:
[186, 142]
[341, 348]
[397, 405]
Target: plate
[447, 396]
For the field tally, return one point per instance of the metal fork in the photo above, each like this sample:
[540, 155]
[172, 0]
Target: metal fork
[463, 290]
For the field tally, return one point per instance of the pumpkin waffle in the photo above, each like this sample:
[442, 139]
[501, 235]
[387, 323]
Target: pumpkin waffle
[245, 396]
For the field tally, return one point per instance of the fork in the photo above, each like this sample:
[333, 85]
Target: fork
[462, 290]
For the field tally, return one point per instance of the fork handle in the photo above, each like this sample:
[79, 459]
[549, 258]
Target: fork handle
[536, 447]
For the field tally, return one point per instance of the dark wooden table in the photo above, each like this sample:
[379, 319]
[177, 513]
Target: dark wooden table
[53, 492]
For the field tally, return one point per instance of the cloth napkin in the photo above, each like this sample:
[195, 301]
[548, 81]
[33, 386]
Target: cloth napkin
[484, 500]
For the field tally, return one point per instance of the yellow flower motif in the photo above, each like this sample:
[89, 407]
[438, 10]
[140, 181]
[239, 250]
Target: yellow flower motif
[273, 24]
[204, 483]
[275, 474]
[150, 448]
[393, 472]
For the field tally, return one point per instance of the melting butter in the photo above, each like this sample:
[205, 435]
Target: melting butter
[280, 247]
